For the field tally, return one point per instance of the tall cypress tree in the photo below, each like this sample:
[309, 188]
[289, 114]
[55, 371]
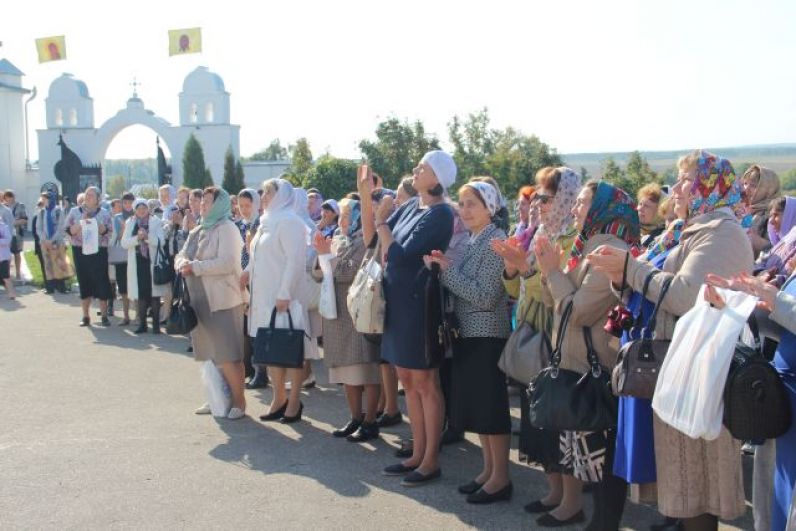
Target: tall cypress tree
[229, 183]
[193, 164]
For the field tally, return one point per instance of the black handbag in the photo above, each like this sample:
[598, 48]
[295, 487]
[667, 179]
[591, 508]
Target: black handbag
[561, 399]
[279, 347]
[182, 318]
[756, 404]
[163, 270]
[440, 327]
[639, 361]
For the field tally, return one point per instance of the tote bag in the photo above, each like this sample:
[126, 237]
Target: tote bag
[216, 390]
[327, 305]
[689, 392]
[365, 299]
[90, 232]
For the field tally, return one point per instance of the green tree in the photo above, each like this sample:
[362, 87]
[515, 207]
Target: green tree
[239, 175]
[636, 173]
[233, 182]
[117, 186]
[332, 176]
[194, 172]
[208, 179]
[788, 181]
[398, 147]
[472, 142]
[300, 161]
[274, 151]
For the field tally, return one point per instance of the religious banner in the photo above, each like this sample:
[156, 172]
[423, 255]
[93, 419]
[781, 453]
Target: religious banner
[51, 48]
[184, 41]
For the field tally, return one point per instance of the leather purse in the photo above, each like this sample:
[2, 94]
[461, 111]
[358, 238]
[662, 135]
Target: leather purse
[365, 300]
[561, 399]
[163, 269]
[639, 361]
[440, 326]
[182, 318]
[756, 404]
[527, 350]
[279, 347]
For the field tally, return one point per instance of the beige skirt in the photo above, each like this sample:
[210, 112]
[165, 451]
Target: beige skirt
[218, 336]
[359, 374]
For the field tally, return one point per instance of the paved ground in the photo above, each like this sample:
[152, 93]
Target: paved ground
[97, 431]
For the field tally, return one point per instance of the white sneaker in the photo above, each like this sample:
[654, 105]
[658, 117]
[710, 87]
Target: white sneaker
[236, 413]
[204, 410]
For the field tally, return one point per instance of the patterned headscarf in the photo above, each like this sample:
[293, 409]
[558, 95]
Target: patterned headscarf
[612, 211]
[768, 187]
[559, 217]
[716, 186]
[488, 194]
[667, 240]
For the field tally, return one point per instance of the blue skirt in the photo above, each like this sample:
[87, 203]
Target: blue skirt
[634, 460]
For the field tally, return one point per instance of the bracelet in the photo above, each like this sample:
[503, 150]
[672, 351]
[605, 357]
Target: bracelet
[382, 224]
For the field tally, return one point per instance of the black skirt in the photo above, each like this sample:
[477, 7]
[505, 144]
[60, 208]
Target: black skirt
[479, 396]
[92, 273]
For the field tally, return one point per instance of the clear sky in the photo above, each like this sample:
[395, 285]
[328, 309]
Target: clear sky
[582, 75]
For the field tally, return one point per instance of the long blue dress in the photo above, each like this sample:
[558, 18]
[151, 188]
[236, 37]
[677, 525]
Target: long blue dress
[785, 468]
[634, 460]
[417, 231]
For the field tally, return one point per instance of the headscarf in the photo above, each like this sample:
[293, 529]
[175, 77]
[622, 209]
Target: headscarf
[142, 223]
[301, 205]
[356, 218]
[255, 198]
[559, 218]
[443, 166]
[488, 194]
[612, 211]
[716, 186]
[49, 212]
[221, 210]
[355, 224]
[767, 188]
[171, 206]
[788, 221]
[667, 240]
[280, 206]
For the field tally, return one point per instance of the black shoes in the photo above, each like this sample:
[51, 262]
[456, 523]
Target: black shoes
[352, 426]
[105, 321]
[398, 470]
[537, 506]
[482, 497]
[258, 381]
[406, 450]
[469, 488]
[668, 524]
[140, 330]
[417, 479]
[548, 520]
[451, 436]
[276, 415]
[85, 321]
[295, 418]
[366, 432]
[385, 421]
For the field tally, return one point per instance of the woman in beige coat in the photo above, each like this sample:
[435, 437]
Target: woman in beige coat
[604, 216]
[698, 480]
[210, 263]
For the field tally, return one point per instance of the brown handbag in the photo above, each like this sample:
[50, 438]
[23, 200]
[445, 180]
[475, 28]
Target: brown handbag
[639, 361]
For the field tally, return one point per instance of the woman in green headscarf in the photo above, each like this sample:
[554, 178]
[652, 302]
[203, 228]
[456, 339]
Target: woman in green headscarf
[210, 263]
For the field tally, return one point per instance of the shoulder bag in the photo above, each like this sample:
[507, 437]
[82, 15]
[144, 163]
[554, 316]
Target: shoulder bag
[440, 327]
[365, 300]
[561, 399]
[279, 347]
[182, 318]
[639, 361]
[527, 350]
[163, 270]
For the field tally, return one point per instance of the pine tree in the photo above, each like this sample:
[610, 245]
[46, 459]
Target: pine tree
[193, 164]
[240, 177]
[231, 183]
[208, 178]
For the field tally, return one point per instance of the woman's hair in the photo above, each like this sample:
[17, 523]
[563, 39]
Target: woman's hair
[212, 190]
[663, 206]
[526, 192]
[650, 191]
[183, 189]
[592, 185]
[686, 162]
[246, 194]
[548, 178]
[271, 186]
[777, 204]
[406, 185]
[197, 193]
[128, 196]
[352, 195]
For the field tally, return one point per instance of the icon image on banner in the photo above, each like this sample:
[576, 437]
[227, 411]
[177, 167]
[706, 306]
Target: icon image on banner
[184, 41]
[51, 48]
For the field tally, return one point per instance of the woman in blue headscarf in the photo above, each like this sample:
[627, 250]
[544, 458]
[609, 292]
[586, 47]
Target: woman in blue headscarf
[352, 360]
[50, 228]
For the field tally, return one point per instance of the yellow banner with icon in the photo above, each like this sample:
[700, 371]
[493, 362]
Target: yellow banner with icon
[183, 41]
[51, 48]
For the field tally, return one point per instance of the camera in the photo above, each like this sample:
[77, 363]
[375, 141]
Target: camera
[619, 320]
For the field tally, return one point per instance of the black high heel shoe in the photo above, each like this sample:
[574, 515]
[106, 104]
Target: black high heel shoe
[290, 420]
[276, 415]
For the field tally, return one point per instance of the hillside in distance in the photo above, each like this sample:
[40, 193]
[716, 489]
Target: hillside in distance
[778, 157]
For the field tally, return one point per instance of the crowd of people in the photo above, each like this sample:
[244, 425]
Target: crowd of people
[576, 250]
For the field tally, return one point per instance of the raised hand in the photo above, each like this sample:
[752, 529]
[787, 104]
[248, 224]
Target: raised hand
[322, 245]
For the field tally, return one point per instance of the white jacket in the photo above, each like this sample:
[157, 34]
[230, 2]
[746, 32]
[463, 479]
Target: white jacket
[130, 242]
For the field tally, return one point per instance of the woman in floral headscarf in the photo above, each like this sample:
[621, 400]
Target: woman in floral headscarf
[698, 480]
[604, 216]
[760, 186]
[555, 195]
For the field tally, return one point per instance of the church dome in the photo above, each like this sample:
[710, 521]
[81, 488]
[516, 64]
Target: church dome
[202, 81]
[66, 87]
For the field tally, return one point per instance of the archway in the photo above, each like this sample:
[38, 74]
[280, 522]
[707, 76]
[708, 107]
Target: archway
[131, 161]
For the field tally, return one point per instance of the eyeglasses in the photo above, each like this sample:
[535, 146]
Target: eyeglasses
[544, 199]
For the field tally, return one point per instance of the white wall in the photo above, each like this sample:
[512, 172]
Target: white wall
[256, 171]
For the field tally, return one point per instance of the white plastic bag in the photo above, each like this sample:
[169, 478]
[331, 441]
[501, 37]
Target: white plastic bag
[90, 233]
[327, 306]
[217, 391]
[690, 388]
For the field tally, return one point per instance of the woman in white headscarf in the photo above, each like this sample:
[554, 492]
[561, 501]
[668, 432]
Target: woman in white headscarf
[168, 200]
[276, 271]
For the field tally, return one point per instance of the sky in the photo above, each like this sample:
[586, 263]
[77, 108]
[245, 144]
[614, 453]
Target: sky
[584, 76]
